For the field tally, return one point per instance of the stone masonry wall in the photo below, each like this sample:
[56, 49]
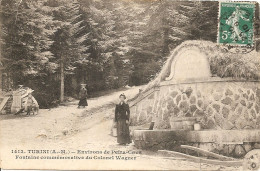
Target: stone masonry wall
[219, 105]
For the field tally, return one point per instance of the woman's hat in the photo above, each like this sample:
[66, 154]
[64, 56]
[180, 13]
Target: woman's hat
[83, 85]
[122, 95]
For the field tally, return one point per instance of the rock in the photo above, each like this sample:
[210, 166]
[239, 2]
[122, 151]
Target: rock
[181, 114]
[163, 105]
[253, 114]
[219, 120]
[178, 99]
[169, 99]
[257, 145]
[188, 92]
[200, 103]
[166, 116]
[239, 110]
[225, 112]
[247, 147]
[234, 106]
[174, 94]
[249, 105]
[176, 110]
[236, 97]
[257, 108]
[184, 97]
[216, 107]
[226, 101]
[188, 115]
[245, 96]
[203, 121]
[243, 102]
[211, 124]
[252, 97]
[258, 120]
[239, 151]
[193, 108]
[228, 92]
[199, 113]
[233, 119]
[225, 150]
[181, 89]
[217, 97]
[248, 92]
[184, 106]
[206, 103]
[246, 115]
[210, 111]
[240, 123]
[258, 93]
[228, 149]
[231, 148]
[169, 106]
[219, 148]
[227, 125]
[193, 100]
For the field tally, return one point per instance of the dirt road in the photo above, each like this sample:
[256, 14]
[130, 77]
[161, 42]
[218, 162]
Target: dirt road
[81, 133]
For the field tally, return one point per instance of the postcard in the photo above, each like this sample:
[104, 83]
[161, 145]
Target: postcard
[130, 85]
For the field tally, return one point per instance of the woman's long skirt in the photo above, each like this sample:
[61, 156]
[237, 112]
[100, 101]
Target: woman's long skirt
[83, 102]
[123, 134]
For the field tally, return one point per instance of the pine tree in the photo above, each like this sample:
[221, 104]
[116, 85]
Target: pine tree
[26, 30]
[190, 21]
[69, 47]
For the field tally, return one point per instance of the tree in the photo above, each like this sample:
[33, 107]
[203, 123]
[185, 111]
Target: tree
[27, 27]
[68, 46]
[190, 21]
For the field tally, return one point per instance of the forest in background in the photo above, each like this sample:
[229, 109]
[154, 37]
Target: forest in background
[53, 46]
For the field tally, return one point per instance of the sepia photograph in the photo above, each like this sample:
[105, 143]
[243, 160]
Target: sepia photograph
[130, 85]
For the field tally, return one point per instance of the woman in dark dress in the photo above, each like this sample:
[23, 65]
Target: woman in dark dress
[83, 96]
[122, 115]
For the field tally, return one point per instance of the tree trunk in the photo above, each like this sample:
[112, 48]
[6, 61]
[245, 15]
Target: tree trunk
[62, 75]
[1, 78]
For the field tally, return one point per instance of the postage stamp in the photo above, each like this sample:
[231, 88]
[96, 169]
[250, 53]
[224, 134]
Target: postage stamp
[236, 25]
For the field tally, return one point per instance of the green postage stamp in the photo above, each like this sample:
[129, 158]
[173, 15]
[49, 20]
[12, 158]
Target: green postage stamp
[236, 25]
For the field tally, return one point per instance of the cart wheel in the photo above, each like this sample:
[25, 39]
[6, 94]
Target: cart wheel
[252, 160]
